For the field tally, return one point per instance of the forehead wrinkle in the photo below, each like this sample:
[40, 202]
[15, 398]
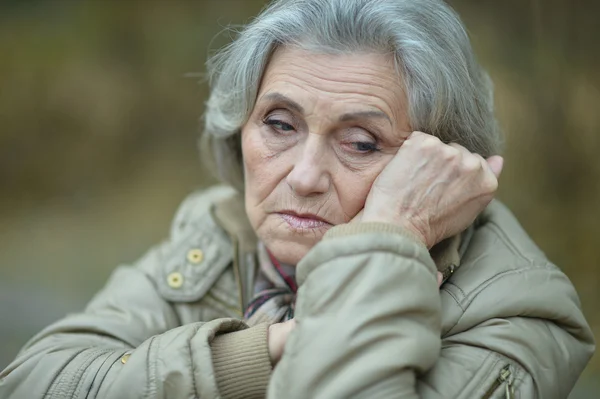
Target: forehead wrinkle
[289, 68]
[354, 69]
[360, 102]
[346, 77]
[302, 62]
[281, 85]
[368, 108]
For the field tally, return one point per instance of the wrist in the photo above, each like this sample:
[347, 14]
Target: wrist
[241, 362]
[401, 223]
[271, 344]
[365, 227]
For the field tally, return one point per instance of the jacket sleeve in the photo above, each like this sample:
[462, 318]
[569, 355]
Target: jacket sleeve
[130, 343]
[367, 318]
[368, 326]
[522, 330]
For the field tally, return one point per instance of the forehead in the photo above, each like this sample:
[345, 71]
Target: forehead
[364, 78]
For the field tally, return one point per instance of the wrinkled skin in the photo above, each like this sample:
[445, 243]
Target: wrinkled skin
[322, 159]
[329, 142]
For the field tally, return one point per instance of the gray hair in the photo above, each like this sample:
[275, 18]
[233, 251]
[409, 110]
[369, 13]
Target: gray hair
[449, 94]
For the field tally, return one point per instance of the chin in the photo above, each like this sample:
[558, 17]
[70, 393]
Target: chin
[288, 251]
[289, 245]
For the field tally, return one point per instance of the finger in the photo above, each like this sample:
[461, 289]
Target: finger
[417, 133]
[496, 163]
[287, 328]
[439, 279]
[459, 147]
[289, 325]
[418, 136]
[465, 154]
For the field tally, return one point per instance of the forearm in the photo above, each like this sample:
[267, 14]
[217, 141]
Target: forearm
[367, 319]
[129, 343]
[197, 360]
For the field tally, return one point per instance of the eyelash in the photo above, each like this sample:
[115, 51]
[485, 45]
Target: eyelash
[362, 147]
[278, 125]
[370, 147]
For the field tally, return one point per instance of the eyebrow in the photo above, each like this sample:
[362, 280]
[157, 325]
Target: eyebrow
[352, 116]
[280, 98]
[347, 117]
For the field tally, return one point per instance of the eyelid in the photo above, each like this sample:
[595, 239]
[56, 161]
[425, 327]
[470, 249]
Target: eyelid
[286, 116]
[279, 110]
[371, 147]
[365, 135]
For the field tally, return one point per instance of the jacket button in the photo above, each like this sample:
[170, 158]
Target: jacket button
[195, 256]
[175, 280]
[125, 358]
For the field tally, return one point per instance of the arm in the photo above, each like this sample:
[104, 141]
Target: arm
[127, 344]
[368, 327]
[523, 316]
[368, 313]
[130, 343]
[367, 318]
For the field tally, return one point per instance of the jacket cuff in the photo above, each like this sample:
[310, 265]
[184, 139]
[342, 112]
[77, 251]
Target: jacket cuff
[241, 363]
[349, 229]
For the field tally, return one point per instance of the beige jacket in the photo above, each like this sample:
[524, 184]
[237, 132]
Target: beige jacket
[371, 322]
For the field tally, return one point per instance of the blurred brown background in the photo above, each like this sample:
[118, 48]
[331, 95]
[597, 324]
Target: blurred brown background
[99, 108]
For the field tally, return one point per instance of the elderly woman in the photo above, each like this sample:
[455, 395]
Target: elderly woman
[357, 251]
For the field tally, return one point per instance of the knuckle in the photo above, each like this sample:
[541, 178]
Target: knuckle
[490, 184]
[430, 141]
[458, 146]
[471, 164]
[479, 158]
[450, 154]
[415, 137]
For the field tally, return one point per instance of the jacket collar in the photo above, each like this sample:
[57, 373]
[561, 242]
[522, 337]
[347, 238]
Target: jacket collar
[230, 214]
[448, 253]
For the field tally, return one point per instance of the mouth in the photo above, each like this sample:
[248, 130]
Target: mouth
[303, 221]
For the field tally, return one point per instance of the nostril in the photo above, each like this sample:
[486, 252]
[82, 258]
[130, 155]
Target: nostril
[307, 181]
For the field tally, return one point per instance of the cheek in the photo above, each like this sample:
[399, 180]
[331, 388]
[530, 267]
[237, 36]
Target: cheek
[260, 169]
[353, 187]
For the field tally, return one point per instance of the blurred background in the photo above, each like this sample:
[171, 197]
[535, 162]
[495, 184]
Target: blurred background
[99, 119]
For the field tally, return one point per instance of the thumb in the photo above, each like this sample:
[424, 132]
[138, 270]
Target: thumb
[358, 217]
[496, 163]
[289, 325]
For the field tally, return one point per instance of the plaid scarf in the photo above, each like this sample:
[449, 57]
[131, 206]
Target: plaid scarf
[274, 291]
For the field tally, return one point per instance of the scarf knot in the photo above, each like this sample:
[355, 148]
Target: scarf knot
[274, 292]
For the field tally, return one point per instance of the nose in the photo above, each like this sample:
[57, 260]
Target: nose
[309, 175]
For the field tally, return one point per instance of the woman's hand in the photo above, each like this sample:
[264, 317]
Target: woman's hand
[277, 337]
[432, 189]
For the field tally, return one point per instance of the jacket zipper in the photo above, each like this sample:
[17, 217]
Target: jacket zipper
[503, 378]
[238, 274]
[233, 309]
[236, 263]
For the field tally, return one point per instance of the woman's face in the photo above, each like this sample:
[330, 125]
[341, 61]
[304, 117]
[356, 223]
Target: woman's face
[323, 127]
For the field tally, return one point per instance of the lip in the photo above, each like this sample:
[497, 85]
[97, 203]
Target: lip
[303, 221]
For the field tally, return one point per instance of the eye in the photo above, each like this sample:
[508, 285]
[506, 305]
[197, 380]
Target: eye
[278, 125]
[364, 147]
[357, 140]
